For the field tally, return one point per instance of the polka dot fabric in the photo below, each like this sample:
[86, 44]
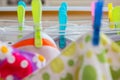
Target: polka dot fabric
[16, 65]
[82, 61]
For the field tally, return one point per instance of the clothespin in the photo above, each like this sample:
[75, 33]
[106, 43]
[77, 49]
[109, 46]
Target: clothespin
[62, 24]
[21, 16]
[21, 2]
[37, 15]
[93, 11]
[110, 8]
[116, 17]
[97, 22]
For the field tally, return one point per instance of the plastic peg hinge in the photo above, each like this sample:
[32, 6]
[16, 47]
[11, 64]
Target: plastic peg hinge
[97, 22]
[63, 24]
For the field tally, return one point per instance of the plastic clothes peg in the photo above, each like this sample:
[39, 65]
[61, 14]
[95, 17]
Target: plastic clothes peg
[63, 24]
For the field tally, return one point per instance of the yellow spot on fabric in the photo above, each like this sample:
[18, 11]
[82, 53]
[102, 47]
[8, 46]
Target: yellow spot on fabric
[115, 47]
[41, 58]
[103, 77]
[109, 60]
[81, 57]
[70, 50]
[81, 46]
[103, 40]
[57, 65]
[89, 54]
[4, 49]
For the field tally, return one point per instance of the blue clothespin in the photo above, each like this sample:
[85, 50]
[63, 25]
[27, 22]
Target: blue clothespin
[97, 22]
[63, 24]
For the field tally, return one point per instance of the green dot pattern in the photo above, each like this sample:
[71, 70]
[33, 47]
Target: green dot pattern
[46, 76]
[87, 38]
[115, 74]
[101, 56]
[71, 63]
[68, 77]
[89, 73]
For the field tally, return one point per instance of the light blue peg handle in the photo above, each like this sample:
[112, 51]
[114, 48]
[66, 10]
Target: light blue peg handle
[63, 24]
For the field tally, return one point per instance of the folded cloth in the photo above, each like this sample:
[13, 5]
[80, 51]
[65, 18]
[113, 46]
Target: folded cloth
[49, 49]
[68, 41]
[16, 64]
[83, 61]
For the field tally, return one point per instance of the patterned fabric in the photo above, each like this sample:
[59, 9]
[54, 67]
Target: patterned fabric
[83, 61]
[49, 49]
[16, 65]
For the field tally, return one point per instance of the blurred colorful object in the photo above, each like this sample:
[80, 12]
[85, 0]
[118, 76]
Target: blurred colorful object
[49, 49]
[83, 61]
[37, 16]
[21, 17]
[110, 8]
[97, 22]
[62, 24]
[116, 17]
[16, 64]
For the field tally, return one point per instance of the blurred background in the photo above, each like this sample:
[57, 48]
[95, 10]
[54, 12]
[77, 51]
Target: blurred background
[14, 2]
[57, 2]
[77, 10]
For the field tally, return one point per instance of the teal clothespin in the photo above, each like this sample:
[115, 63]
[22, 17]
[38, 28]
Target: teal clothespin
[21, 2]
[97, 22]
[37, 15]
[62, 24]
[21, 16]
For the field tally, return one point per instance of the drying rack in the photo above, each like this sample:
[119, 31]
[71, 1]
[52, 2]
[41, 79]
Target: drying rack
[9, 29]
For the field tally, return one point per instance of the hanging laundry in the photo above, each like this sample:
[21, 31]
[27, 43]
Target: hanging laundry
[82, 61]
[16, 64]
[49, 49]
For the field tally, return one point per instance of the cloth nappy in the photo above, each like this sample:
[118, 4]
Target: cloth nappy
[16, 64]
[49, 49]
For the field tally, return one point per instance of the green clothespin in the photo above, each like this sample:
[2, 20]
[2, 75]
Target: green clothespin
[21, 17]
[116, 17]
[37, 14]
